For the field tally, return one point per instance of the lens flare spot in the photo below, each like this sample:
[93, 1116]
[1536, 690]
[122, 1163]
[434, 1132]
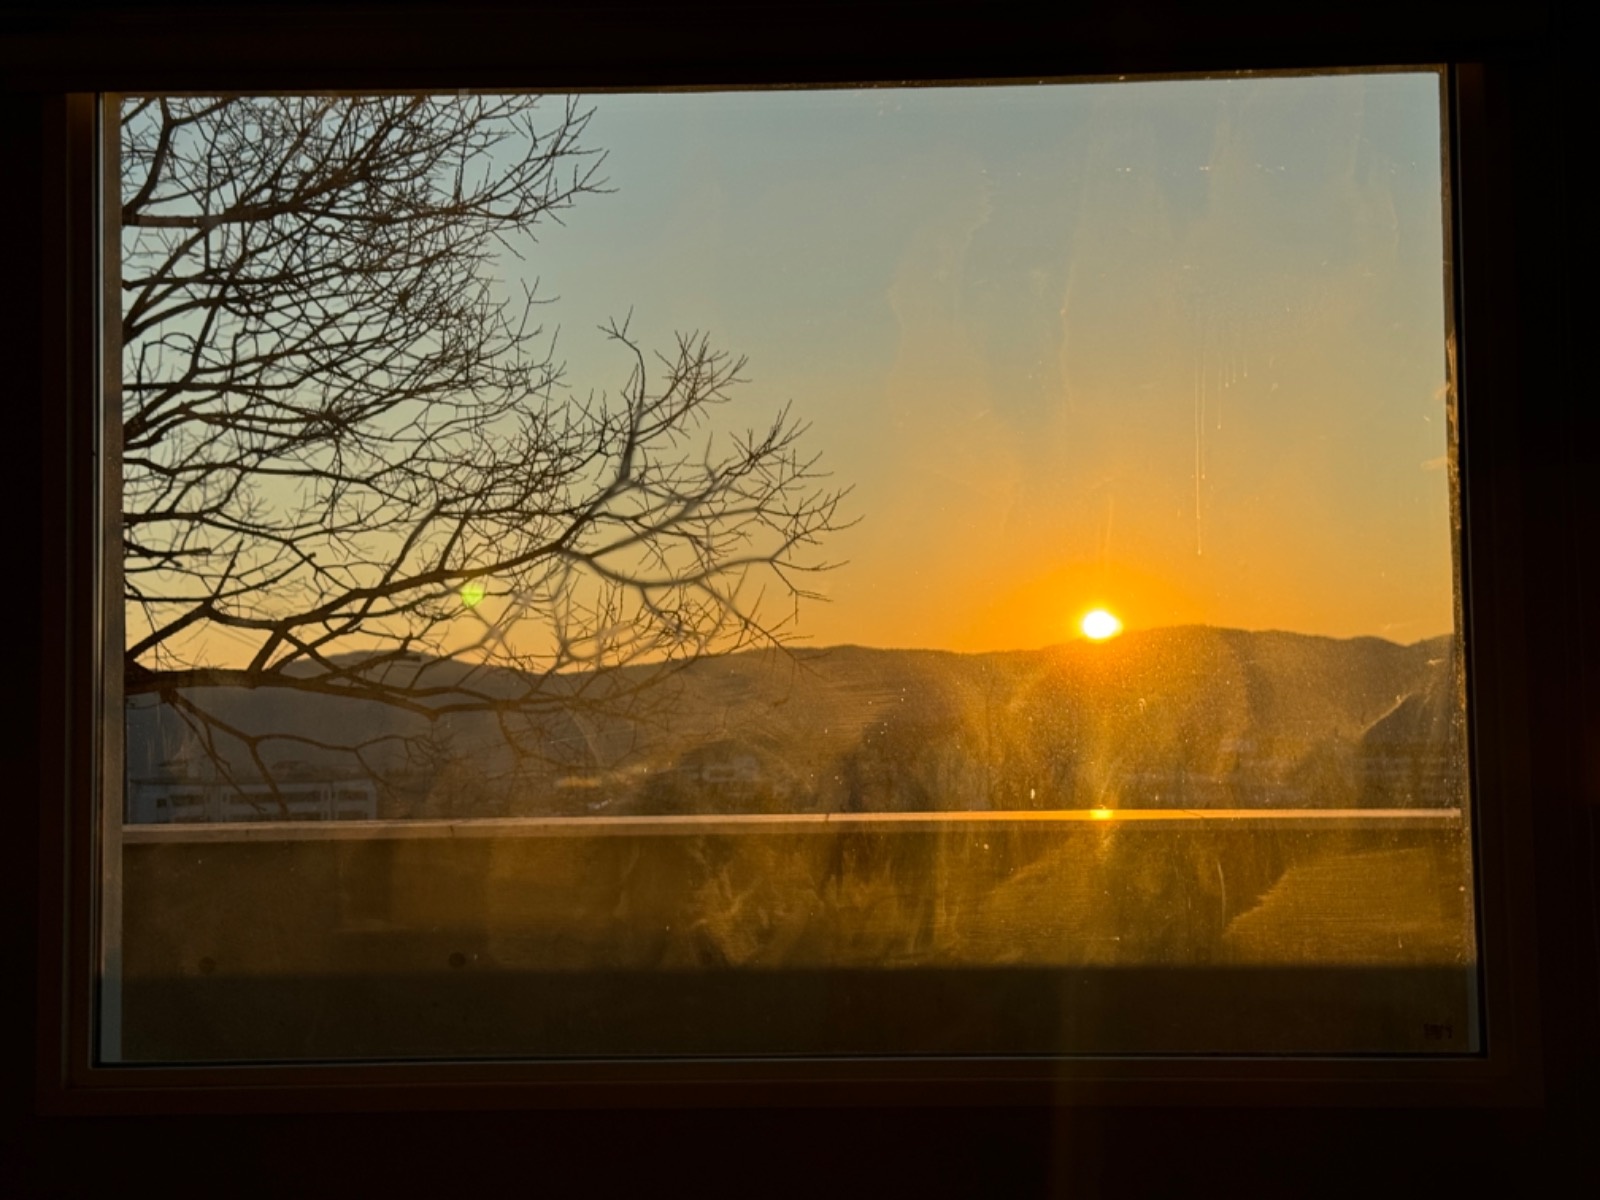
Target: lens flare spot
[1100, 625]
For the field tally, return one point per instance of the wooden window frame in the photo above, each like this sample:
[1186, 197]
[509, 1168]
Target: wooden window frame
[722, 45]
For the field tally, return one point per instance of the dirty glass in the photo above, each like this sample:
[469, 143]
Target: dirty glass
[893, 571]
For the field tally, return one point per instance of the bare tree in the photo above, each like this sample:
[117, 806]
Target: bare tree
[352, 465]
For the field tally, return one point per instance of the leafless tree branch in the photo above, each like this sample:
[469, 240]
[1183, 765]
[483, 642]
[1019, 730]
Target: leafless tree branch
[347, 454]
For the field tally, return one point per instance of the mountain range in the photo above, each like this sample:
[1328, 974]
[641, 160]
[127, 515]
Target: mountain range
[1193, 717]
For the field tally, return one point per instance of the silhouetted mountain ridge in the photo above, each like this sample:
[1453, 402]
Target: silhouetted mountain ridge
[1191, 716]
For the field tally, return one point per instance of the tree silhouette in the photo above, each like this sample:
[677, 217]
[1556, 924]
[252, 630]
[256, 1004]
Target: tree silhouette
[352, 467]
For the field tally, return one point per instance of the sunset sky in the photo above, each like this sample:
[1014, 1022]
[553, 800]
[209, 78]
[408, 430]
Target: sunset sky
[1175, 349]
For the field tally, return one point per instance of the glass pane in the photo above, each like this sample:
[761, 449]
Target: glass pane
[882, 571]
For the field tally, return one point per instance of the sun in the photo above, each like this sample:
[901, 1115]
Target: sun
[472, 592]
[1099, 625]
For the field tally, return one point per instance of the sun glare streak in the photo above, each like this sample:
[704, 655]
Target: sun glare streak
[1099, 625]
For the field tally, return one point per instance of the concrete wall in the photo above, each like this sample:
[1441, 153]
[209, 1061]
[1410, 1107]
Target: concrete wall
[1327, 934]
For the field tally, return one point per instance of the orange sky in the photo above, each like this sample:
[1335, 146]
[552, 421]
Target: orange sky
[1174, 348]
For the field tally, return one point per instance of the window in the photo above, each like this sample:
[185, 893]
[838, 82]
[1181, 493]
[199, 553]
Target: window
[1020, 322]
[728, 775]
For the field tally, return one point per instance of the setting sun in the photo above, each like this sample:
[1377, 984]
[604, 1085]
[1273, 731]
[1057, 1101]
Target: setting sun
[1100, 625]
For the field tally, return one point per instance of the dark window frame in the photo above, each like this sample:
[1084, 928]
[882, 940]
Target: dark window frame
[783, 45]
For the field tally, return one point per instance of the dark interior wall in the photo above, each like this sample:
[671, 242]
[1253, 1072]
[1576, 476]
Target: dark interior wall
[1538, 110]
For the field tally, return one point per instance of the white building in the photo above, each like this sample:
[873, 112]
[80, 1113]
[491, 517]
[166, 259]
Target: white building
[172, 797]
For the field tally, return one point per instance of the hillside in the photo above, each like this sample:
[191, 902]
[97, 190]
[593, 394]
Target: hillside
[1179, 717]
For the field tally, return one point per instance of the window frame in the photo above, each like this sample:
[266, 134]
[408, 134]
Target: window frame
[655, 52]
